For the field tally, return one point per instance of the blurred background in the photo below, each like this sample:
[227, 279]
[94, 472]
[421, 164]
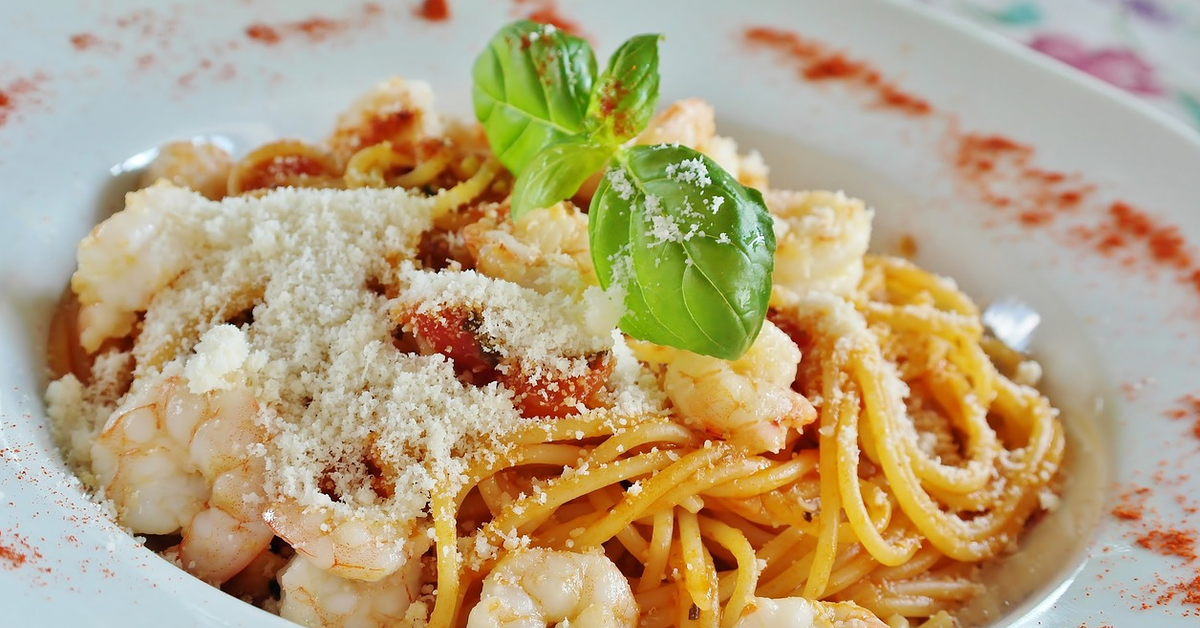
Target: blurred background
[1150, 48]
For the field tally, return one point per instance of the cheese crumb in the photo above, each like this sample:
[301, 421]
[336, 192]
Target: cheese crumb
[1028, 373]
[689, 171]
[620, 183]
[218, 360]
[1049, 500]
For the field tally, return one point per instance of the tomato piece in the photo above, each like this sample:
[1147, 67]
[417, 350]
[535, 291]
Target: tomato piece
[557, 397]
[451, 332]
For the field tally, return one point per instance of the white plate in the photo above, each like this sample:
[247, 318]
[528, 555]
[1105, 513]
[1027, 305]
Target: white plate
[168, 72]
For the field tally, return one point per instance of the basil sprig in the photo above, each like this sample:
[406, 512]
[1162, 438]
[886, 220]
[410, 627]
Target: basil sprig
[556, 173]
[692, 249]
[623, 100]
[532, 85]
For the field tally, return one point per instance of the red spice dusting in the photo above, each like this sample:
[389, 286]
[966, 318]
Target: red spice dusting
[1131, 506]
[187, 79]
[833, 66]
[434, 10]
[15, 551]
[1130, 220]
[1165, 540]
[1163, 246]
[1188, 407]
[313, 29]
[149, 24]
[980, 152]
[1070, 198]
[318, 28]
[10, 557]
[1130, 513]
[1190, 590]
[1034, 217]
[1170, 542]
[611, 93]
[1047, 176]
[84, 41]
[819, 64]
[22, 91]
[905, 102]
[262, 33]
[1000, 172]
[548, 14]
[1167, 245]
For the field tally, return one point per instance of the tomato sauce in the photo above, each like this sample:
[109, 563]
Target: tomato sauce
[560, 396]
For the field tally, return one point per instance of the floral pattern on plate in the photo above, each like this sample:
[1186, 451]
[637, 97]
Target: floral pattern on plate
[1149, 48]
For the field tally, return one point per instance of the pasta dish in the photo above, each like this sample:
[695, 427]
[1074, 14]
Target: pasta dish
[364, 382]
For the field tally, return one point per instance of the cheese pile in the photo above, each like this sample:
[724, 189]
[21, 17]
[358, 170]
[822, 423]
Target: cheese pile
[279, 293]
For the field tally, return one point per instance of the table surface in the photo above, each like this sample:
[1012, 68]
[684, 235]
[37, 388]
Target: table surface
[1149, 48]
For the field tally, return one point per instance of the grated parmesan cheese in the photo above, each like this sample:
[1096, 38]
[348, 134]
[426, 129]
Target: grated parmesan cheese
[335, 396]
[553, 333]
[218, 360]
[620, 183]
[691, 171]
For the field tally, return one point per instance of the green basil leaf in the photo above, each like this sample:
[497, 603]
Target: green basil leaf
[556, 173]
[627, 92]
[692, 248]
[532, 85]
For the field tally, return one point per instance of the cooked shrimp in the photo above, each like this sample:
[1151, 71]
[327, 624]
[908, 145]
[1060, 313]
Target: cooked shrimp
[254, 583]
[692, 122]
[821, 239]
[314, 597]
[344, 545]
[540, 587]
[547, 249]
[173, 461]
[396, 111]
[200, 167]
[123, 262]
[797, 612]
[748, 401]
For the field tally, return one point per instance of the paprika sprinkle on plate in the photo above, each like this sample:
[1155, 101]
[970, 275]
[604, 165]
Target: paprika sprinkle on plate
[818, 63]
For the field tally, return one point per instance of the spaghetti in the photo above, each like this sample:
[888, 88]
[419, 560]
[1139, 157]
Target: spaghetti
[879, 457]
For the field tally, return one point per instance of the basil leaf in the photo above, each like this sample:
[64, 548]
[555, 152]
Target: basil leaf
[556, 173]
[531, 89]
[627, 92]
[692, 248]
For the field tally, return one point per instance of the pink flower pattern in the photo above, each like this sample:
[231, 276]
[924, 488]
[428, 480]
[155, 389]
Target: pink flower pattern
[1149, 48]
[1118, 66]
